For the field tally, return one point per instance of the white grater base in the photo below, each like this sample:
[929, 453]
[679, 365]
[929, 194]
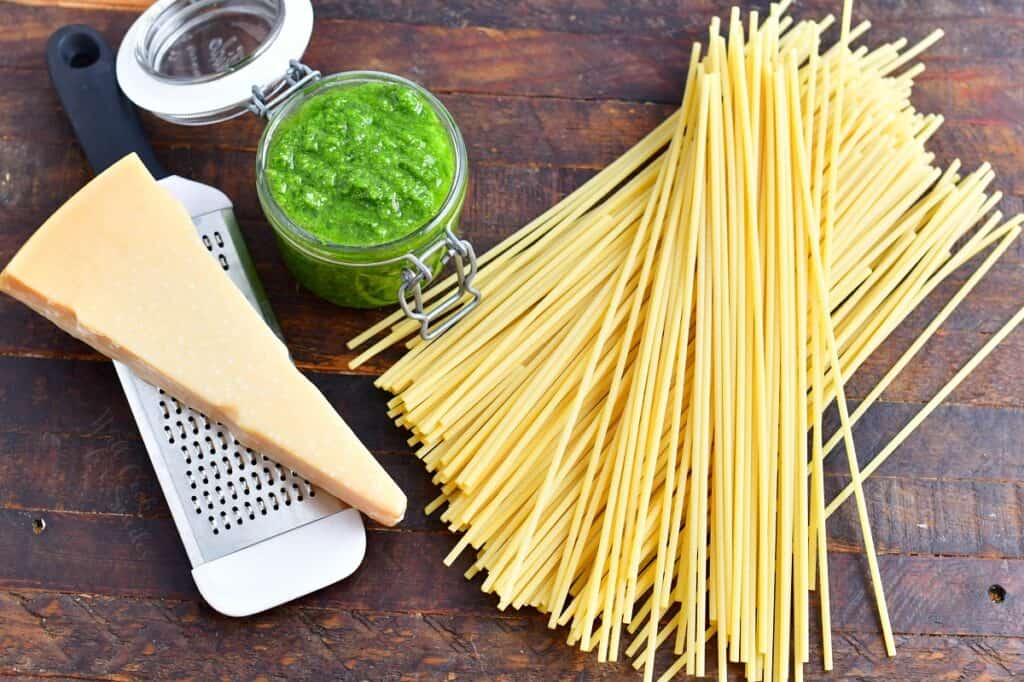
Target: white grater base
[257, 534]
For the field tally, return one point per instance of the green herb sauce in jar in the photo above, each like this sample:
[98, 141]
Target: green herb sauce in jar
[361, 165]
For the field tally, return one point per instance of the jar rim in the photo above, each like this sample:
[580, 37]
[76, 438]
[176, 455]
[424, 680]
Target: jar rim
[164, 22]
[303, 238]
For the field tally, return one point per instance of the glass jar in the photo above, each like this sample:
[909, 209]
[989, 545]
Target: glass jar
[197, 63]
[361, 276]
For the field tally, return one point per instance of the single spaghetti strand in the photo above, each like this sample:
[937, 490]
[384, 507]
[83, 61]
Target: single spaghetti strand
[788, 429]
[916, 421]
[837, 372]
[801, 179]
[930, 330]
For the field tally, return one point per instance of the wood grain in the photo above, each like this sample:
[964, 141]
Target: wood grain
[142, 638]
[504, 129]
[600, 16]
[962, 517]
[81, 454]
[142, 557]
[316, 330]
[515, 142]
[546, 92]
[117, 639]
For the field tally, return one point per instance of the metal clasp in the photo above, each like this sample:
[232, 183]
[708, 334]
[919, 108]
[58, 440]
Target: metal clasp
[414, 278]
[265, 100]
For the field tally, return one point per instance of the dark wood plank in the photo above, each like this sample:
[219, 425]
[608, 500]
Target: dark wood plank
[510, 130]
[106, 554]
[915, 514]
[585, 133]
[995, 382]
[985, 442]
[643, 65]
[598, 16]
[82, 454]
[129, 556]
[85, 399]
[516, 137]
[132, 639]
[605, 16]
[316, 330]
[934, 516]
[101, 474]
[515, 61]
[64, 473]
[933, 595]
[860, 657]
[111, 638]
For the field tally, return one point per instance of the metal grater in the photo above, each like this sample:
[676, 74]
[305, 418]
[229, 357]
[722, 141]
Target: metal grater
[257, 534]
[237, 509]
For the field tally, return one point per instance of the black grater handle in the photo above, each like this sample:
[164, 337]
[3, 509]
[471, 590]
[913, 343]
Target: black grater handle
[82, 70]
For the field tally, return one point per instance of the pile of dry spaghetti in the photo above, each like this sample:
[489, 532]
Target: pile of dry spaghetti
[620, 431]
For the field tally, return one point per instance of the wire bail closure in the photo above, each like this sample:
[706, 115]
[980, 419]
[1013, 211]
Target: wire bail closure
[416, 275]
[414, 278]
[265, 100]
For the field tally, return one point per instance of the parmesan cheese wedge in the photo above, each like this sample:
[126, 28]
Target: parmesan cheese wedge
[120, 267]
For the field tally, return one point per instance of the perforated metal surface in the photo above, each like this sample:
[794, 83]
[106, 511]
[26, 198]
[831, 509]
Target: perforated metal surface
[222, 495]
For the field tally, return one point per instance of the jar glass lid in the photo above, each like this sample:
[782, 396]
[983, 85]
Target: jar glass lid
[196, 61]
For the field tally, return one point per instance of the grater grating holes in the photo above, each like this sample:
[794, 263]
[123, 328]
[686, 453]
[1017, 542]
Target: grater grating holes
[229, 482]
[219, 471]
[235, 502]
[218, 240]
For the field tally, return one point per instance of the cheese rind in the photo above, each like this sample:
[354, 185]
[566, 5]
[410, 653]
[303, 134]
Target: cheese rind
[120, 267]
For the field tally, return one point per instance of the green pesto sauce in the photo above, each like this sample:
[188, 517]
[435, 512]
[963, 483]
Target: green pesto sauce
[361, 165]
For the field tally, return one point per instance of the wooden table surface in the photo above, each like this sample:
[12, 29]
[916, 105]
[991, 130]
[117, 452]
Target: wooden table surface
[546, 92]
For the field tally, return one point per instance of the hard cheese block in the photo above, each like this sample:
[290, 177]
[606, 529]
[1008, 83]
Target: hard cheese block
[120, 266]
